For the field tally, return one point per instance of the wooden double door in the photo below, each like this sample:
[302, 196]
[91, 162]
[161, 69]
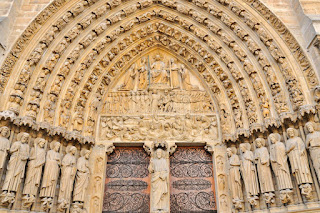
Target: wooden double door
[127, 185]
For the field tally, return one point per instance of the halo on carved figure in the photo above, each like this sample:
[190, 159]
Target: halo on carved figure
[295, 131]
[261, 140]
[310, 123]
[37, 141]
[71, 148]
[276, 135]
[83, 152]
[21, 134]
[246, 146]
[53, 144]
[4, 128]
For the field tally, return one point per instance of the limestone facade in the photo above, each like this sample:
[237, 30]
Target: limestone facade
[159, 106]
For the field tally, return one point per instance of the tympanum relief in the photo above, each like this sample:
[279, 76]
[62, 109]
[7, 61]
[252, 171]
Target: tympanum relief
[158, 97]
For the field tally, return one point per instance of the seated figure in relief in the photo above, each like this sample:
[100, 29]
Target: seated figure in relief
[159, 72]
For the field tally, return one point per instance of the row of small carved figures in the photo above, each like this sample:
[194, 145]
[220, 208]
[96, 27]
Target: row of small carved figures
[26, 163]
[255, 167]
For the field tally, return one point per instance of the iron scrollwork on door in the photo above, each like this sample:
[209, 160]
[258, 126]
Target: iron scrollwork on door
[127, 178]
[192, 184]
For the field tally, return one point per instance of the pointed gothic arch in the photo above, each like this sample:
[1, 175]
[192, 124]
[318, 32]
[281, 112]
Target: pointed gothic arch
[68, 59]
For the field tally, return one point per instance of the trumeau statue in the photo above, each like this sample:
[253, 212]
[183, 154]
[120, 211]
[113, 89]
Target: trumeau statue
[4, 145]
[159, 170]
[249, 173]
[262, 158]
[278, 158]
[68, 171]
[297, 153]
[82, 177]
[50, 175]
[34, 171]
[313, 144]
[16, 167]
[235, 179]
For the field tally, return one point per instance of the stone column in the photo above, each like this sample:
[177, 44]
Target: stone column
[222, 192]
[98, 165]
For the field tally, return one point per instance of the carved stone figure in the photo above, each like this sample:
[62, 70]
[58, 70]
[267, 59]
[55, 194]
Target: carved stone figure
[159, 181]
[50, 175]
[185, 78]
[4, 145]
[82, 177]
[296, 151]
[129, 81]
[143, 74]
[313, 144]
[34, 172]
[16, 167]
[235, 179]
[68, 171]
[158, 71]
[262, 158]
[249, 173]
[175, 74]
[278, 158]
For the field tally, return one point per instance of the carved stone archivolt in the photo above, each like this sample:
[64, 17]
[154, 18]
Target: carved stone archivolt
[87, 75]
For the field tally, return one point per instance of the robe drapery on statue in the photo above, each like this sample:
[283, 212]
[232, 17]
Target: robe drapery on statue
[234, 174]
[16, 166]
[34, 171]
[143, 74]
[82, 177]
[313, 144]
[129, 81]
[175, 74]
[159, 72]
[248, 171]
[159, 181]
[278, 158]
[68, 171]
[261, 155]
[51, 171]
[4, 145]
[296, 150]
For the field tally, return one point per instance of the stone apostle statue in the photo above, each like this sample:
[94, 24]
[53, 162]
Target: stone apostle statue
[82, 177]
[262, 158]
[235, 179]
[34, 171]
[278, 158]
[313, 144]
[159, 181]
[16, 167]
[4, 145]
[68, 171]
[296, 151]
[50, 175]
[249, 173]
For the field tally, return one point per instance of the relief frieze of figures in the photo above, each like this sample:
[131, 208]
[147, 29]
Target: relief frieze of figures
[170, 128]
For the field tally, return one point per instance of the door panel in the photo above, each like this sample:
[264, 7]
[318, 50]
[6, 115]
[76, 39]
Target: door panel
[192, 183]
[127, 181]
